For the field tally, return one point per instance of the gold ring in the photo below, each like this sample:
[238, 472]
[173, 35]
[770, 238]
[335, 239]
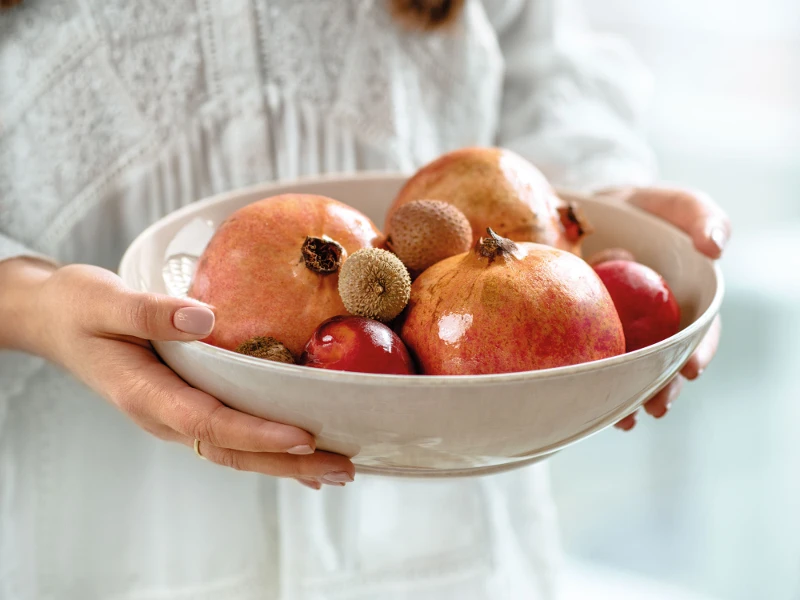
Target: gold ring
[197, 449]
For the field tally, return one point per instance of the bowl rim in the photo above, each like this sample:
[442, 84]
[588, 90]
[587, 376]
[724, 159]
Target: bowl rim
[353, 377]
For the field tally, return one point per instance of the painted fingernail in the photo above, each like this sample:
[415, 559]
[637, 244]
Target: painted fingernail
[304, 449]
[196, 320]
[718, 237]
[337, 477]
[314, 485]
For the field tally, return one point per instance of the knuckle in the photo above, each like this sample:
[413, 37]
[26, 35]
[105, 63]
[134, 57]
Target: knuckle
[229, 458]
[142, 315]
[128, 397]
[159, 431]
[206, 427]
[130, 392]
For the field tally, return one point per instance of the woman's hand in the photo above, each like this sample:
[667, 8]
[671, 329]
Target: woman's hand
[698, 215]
[86, 320]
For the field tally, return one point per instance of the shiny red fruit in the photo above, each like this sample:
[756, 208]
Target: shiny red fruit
[357, 344]
[646, 306]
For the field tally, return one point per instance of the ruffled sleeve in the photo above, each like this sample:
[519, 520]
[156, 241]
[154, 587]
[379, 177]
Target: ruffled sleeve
[573, 101]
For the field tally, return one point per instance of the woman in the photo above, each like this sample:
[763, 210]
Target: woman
[115, 113]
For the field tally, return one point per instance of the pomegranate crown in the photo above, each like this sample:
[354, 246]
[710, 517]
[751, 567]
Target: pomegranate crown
[495, 246]
[322, 254]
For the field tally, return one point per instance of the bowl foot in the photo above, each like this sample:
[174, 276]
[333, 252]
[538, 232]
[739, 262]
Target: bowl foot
[419, 473]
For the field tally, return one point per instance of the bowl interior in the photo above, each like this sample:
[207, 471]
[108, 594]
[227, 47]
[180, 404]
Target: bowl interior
[693, 278]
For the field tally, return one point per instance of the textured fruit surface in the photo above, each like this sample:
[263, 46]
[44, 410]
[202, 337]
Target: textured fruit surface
[357, 344]
[373, 283]
[495, 188]
[423, 232]
[505, 307]
[253, 271]
[647, 307]
[267, 348]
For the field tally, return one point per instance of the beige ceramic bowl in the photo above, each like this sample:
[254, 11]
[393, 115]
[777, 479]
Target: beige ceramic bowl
[439, 426]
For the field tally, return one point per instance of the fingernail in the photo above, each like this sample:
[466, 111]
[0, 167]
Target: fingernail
[664, 410]
[699, 372]
[304, 449]
[196, 320]
[337, 477]
[718, 237]
[314, 485]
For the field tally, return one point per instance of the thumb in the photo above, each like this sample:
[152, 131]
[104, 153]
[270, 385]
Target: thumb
[157, 317]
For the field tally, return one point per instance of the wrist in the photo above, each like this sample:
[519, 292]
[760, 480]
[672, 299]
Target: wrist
[22, 324]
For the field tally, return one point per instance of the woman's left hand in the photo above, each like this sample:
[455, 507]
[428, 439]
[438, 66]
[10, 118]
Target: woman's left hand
[709, 227]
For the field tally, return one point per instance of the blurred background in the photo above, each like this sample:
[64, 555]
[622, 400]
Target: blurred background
[708, 500]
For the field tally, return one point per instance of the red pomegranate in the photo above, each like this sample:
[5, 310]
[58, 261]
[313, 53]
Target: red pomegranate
[497, 188]
[505, 307]
[271, 269]
[646, 305]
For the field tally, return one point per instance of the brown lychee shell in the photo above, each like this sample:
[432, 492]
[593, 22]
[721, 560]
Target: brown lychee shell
[423, 232]
[267, 348]
[373, 283]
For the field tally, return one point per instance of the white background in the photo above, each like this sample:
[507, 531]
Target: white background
[709, 498]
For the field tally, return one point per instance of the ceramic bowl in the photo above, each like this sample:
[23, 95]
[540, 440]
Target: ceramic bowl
[422, 425]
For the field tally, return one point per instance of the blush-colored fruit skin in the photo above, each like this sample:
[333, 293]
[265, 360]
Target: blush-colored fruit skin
[345, 343]
[646, 305]
[253, 274]
[542, 308]
[496, 188]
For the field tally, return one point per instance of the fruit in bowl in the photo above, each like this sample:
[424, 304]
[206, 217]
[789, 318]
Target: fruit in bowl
[276, 269]
[357, 344]
[497, 188]
[421, 425]
[423, 232]
[509, 306]
[272, 268]
[644, 301]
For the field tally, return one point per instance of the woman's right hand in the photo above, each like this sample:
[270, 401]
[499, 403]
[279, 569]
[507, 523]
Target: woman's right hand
[84, 318]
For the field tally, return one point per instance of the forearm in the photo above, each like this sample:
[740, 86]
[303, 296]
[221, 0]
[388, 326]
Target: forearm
[22, 324]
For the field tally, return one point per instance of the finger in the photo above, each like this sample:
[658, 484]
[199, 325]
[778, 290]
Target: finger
[323, 467]
[144, 387]
[705, 352]
[310, 471]
[156, 317]
[627, 423]
[117, 310]
[310, 483]
[659, 404]
[693, 212]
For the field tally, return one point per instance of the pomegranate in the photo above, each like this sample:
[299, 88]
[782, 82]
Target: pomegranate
[497, 188]
[271, 269]
[357, 344]
[646, 305]
[505, 307]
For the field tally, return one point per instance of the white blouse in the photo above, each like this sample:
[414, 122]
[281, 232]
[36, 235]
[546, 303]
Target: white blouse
[114, 113]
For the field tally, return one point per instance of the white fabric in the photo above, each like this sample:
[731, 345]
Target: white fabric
[112, 114]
